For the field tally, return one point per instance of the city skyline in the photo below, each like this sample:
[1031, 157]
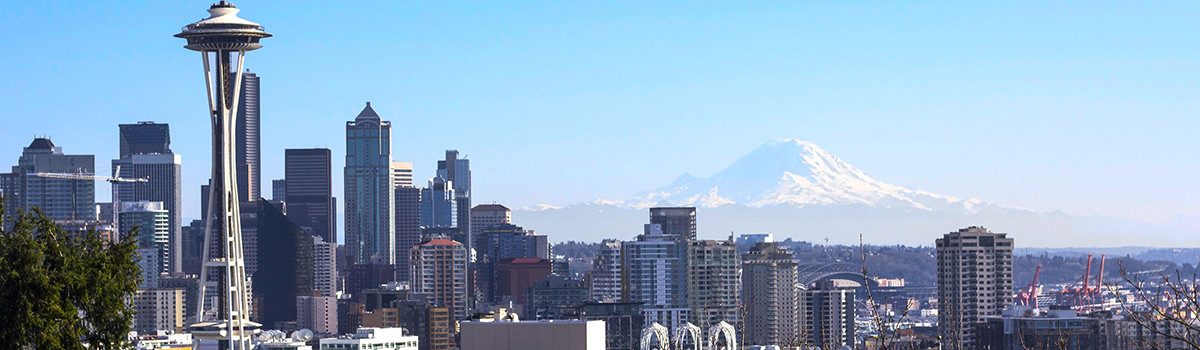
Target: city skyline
[1091, 118]
[996, 174]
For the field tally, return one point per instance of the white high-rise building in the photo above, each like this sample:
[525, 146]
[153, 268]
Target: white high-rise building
[605, 281]
[324, 267]
[655, 274]
[153, 226]
[712, 282]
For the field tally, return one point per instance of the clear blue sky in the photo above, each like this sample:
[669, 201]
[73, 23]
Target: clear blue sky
[1090, 108]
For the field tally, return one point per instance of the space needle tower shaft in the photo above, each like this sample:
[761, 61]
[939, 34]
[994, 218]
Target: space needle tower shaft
[223, 308]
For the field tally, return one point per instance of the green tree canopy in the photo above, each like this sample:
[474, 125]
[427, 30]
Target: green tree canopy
[59, 291]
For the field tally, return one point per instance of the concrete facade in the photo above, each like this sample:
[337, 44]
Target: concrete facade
[974, 281]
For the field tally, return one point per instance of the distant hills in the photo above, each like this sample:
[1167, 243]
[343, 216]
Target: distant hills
[796, 189]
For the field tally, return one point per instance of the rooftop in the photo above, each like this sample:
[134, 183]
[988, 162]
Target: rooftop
[490, 207]
[440, 241]
[367, 113]
[41, 143]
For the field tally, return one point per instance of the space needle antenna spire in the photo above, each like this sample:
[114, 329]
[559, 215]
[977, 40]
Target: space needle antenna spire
[223, 307]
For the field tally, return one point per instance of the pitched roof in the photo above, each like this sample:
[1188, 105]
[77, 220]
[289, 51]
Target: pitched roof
[440, 241]
[367, 113]
[523, 261]
[490, 207]
[41, 143]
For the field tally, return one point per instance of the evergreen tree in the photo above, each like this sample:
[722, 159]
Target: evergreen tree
[60, 292]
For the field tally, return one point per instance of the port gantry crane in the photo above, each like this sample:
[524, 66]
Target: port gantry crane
[1029, 296]
[1083, 295]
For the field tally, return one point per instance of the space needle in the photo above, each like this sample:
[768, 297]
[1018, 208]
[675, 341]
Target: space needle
[223, 308]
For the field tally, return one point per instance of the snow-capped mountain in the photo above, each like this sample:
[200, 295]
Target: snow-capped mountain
[798, 173]
[797, 190]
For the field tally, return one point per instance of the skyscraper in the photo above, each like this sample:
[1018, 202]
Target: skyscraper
[679, 222]
[144, 138]
[655, 274]
[285, 265]
[152, 223]
[974, 282]
[368, 180]
[828, 316]
[279, 190]
[408, 228]
[308, 187]
[247, 137]
[324, 267]
[402, 174]
[440, 269]
[488, 215]
[192, 246]
[770, 293]
[146, 154]
[605, 281]
[60, 199]
[439, 207]
[457, 171]
[712, 282]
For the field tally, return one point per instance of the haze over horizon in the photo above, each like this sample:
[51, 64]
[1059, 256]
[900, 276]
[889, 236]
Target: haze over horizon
[1081, 108]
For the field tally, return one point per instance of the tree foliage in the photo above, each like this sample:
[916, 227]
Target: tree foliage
[61, 292]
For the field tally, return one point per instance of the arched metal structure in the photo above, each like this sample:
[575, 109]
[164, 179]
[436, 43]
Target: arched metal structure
[722, 336]
[810, 274]
[687, 337]
[655, 337]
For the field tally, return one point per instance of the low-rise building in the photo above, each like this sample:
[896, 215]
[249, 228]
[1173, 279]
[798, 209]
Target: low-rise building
[623, 322]
[1021, 327]
[533, 335]
[373, 339]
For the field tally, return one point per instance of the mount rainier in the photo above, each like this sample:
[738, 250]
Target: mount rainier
[796, 173]
[795, 189]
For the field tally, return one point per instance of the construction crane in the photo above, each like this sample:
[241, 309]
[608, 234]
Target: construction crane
[114, 180]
